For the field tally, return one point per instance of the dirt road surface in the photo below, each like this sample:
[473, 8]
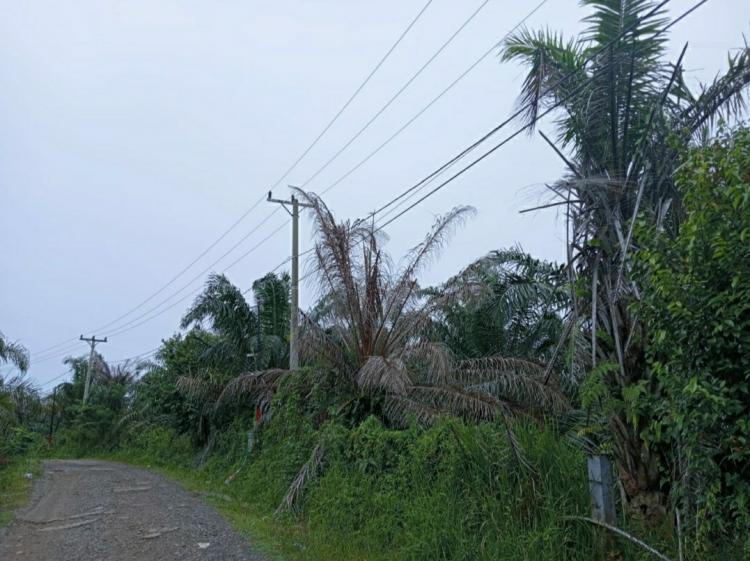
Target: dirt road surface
[103, 511]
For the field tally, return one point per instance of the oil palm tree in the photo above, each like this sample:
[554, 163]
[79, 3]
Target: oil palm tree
[371, 329]
[236, 337]
[622, 114]
[505, 303]
[14, 390]
[13, 353]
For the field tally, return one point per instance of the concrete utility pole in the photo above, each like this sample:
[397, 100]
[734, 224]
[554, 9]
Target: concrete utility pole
[91, 341]
[294, 319]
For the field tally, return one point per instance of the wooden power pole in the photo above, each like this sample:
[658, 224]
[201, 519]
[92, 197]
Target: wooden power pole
[91, 341]
[294, 319]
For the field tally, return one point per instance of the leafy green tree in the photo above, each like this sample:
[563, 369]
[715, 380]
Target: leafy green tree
[623, 113]
[697, 311]
[228, 336]
[157, 399]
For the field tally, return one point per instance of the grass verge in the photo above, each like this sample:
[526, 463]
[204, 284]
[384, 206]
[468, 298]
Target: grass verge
[15, 486]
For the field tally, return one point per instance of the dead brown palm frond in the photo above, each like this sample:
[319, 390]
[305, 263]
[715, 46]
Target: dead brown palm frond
[437, 359]
[372, 311]
[381, 374]
[253, 385]
[401, 297]
[457, 400]
[306, 474]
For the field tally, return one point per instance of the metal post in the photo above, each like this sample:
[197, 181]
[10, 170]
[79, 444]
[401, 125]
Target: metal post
[91, 341]
[600, 486]
[52, 414]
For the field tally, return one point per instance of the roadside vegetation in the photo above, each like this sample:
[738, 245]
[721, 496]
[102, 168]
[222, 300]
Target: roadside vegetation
[455, 421]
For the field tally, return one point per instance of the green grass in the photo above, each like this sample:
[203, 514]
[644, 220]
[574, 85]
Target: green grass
[451, 492]
[15, 487]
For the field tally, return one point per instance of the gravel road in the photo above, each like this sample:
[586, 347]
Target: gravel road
[103, 511]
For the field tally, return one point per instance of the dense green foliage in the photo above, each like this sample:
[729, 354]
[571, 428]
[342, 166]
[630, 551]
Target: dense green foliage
[698, 314]
[624, 114]
[452, 491]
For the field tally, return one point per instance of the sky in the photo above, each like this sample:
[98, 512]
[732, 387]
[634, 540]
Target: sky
[133, 134]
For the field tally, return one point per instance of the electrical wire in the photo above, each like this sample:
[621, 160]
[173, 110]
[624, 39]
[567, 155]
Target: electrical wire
[505, 140]
[398, 93]
[434, 100]
[335, 118]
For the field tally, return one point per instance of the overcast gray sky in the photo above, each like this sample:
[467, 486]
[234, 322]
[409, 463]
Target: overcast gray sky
[132, 134]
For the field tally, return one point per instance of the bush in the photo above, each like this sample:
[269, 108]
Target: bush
[159, 446]
[19, 441]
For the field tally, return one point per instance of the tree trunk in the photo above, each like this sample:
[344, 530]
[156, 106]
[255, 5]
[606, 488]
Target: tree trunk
[638, 468]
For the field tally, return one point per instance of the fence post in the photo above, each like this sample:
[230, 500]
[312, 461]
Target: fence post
[601, 488]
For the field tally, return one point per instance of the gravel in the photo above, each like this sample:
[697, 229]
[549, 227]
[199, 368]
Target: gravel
[104, 511]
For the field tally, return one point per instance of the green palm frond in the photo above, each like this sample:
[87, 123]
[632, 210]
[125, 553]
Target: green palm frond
[14, 353]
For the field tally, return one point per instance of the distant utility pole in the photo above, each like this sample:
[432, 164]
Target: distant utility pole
[294, 319]
[91, 341]
[52, 414]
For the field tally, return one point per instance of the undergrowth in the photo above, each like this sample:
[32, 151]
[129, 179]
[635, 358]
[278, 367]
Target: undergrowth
[452, 491]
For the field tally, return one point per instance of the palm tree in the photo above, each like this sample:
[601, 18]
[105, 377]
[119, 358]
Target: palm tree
[622, 114]
[506, 303]
[369, 329]
[236, 337]
[19, 401]
[15, 393]
[14, 353]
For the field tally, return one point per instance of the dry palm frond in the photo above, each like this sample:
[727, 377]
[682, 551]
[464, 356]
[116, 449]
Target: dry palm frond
[401, 409]
[437, 358]
[307, 473]
[381, 374]
[516, 380]
[317, 342]
[253, 385]
[459, 401]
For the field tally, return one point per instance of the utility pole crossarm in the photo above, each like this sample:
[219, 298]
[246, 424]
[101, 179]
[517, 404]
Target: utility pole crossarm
[92, 341]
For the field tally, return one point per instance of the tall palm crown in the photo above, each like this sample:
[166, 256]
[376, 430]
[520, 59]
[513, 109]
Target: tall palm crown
[14, 353]
[505, 303]
[622, 115]
[370, 329]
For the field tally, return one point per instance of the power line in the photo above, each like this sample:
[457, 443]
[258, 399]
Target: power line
[335, 118]
[397, 94]
[129, 326]
[434, 100]
[353, 96]
[419, 185]
[513, 135]
[173, 279]
[544, 113]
